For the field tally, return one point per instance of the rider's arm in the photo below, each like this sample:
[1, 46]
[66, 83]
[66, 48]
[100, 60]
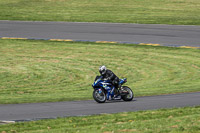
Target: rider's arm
[111, 75]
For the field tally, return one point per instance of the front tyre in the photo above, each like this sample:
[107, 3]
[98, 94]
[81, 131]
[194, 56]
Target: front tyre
[129, 96]
[99, 96]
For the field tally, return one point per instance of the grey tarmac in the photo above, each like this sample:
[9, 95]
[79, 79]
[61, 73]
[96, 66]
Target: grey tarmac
[35, 111]
[165, 35]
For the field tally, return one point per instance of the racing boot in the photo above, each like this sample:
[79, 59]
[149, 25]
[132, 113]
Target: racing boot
[117, 95]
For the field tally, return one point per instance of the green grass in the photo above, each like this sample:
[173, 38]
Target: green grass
[44, 71]
[182, 12]
[177, 120]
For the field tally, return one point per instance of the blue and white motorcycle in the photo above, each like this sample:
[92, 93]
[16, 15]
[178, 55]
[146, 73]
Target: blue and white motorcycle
[105, 90]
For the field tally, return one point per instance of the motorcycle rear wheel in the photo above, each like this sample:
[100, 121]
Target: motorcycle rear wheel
[99, 97]
[129, 96]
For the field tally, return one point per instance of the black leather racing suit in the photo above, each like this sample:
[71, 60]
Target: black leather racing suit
[111, 76]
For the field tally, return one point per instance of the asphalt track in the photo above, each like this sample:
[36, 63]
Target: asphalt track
[35, 111]
[164, 35]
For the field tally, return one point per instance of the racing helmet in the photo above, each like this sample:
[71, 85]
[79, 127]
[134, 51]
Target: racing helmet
[102, 70]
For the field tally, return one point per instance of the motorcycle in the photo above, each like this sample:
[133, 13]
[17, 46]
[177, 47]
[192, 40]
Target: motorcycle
[105, 90]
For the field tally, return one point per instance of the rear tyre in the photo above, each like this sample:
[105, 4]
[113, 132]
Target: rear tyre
[99, 96]
[129, 96]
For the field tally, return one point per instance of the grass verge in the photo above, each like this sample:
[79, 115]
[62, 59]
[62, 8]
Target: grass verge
[182, 12]
[183, 120]
[44, 71]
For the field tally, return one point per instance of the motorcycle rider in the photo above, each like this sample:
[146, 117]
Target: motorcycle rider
[109, 75]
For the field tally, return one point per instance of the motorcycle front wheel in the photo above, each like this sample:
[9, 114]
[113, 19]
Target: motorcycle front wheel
[99, 96]
[129, 96]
